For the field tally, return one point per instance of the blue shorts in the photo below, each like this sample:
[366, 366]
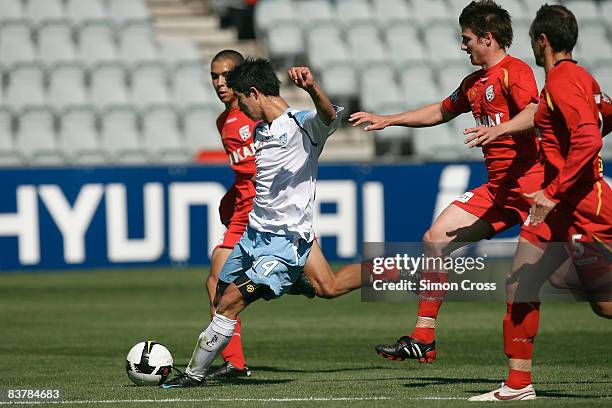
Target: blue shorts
[276, 261]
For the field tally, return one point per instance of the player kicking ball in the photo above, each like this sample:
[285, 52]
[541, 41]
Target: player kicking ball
[571, 206]
[273, 251]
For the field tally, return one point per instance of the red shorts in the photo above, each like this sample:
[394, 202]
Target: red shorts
[234, 211]
[584, 223]
[502, 206]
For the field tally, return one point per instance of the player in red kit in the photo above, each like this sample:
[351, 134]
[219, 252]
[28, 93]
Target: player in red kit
[572, 205]
[502, 97]
[236, 131]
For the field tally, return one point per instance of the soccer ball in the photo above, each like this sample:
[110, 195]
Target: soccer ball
[148, 363]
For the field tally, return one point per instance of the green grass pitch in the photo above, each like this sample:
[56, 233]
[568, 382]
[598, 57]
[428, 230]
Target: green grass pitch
[72, 331]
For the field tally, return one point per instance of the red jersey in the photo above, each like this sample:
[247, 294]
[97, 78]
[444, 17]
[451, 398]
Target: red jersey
[568, 123]
[495, 95]
[236, 131]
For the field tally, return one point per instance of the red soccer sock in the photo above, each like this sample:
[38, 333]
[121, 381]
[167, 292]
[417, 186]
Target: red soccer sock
[518, 379]
[520, 328]
[233, 351]
[430, 302]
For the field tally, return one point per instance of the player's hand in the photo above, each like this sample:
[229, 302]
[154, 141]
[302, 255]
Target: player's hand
[302, 77]
[540, 207]
[480, 136]
[376, 122]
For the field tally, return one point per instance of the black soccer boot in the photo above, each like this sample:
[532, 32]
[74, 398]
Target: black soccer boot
[407, 347]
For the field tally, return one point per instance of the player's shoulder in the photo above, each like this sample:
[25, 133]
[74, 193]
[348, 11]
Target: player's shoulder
[565, 73]
[514, 63]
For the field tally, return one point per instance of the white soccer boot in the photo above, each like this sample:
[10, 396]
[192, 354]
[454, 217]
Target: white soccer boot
[505, 393]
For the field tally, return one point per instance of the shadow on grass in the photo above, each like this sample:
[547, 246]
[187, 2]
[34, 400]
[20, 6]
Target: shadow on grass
[245, 381]
[268, 369]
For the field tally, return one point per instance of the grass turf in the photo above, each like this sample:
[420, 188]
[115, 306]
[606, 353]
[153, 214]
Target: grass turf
[72, 330]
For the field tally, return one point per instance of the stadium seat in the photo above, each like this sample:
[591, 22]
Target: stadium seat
[36, 137]
[366, 47]
[67, 86]
[285, 42]
[149, 84]
[270, 13]
[444, 45]
[16, 44]
[352, 13]
[418, 87]
[315, 13]
[450, 78]
[326, 48]
[603, 76]
[534, 5]
[137, 44]
[593, 46]
[516, 8]
[108, 85]
[606, 12]
[84, 11]
[78, 136]
[39, 11]
[8, 155]
[340, 82]
[521, 44]
[10, 10]
[96, 43]
[128, 11]
[191, 86]
[586, 12]
[428, 12]
[438, 143]
[180, 50]
[393, 12]
[379, 91]
[162, 136]
[199, 126]
[404, 45]
[55, 42]
[121, 136]
[26, 86]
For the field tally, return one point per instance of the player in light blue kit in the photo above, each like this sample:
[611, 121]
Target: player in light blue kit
[272, 253]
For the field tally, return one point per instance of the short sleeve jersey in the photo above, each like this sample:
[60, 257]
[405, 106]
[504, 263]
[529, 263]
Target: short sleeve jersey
[568, 121]
[236, 130]
[287, 156]
[495, 95]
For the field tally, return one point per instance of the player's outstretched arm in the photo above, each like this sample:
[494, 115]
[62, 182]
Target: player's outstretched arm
[429, 115]
[483, 135]
[303, 78]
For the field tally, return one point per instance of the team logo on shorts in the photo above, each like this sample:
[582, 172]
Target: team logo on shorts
[465, 197]
[245, 133]
[490, 93]
[250, 288]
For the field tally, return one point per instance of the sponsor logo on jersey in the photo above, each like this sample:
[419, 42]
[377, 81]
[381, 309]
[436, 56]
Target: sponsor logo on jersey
[465, 197]
[490, 93]
[244, 132]
[455, 96]
[242, 153]
[231, 120]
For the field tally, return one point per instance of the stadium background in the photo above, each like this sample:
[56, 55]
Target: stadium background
[110, 159]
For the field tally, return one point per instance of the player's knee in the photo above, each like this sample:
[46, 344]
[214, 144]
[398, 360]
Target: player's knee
[602, 309]
[434, 242]
[327, 290]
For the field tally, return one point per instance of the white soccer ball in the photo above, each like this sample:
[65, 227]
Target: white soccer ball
[148, 363]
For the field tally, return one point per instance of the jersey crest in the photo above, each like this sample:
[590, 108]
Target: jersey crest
[490, 93]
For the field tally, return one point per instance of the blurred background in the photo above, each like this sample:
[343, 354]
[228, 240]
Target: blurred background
[107, 118]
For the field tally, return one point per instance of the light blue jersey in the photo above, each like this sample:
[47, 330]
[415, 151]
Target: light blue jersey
[275, 247]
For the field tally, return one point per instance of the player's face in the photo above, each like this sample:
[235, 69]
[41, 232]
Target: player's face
[218, 71]
[474, 46]
[249, 105]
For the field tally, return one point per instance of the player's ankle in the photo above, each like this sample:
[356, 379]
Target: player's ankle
[518, 379]
[424, 334]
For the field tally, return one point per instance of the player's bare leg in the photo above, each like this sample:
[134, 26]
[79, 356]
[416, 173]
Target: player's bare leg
[326, 283]
[233, 354]
[453, 229]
